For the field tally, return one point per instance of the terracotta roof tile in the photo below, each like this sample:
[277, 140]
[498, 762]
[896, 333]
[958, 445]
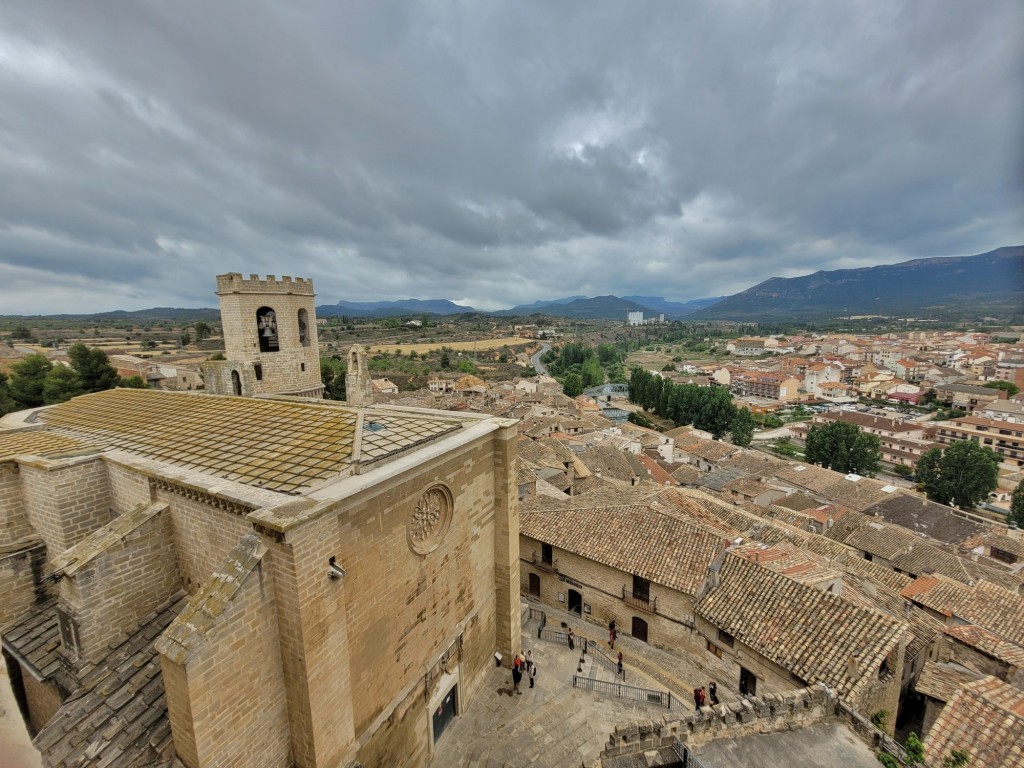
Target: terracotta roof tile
[985, 718]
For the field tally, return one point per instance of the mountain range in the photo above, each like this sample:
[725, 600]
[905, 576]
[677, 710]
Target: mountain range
[935, 288]
[946, 288]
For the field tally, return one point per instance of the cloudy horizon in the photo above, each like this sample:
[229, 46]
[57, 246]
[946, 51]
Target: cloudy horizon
[496, 154]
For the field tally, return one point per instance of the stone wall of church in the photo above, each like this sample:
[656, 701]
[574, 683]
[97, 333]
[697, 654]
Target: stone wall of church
[119, 585]
[20, 588]
[65, 500]
[14, 524]
[128, 489]
[204, 535]
[227, 701]
[409, 600]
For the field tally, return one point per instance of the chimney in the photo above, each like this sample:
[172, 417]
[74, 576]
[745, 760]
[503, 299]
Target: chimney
[852, 668]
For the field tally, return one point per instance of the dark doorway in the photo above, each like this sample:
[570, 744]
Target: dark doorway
[575, 602]
[445, 712]
[236, 383]
[748, 682]
[639, 629]
[534, 585]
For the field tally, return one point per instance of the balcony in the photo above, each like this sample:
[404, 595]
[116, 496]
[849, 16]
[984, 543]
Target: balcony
[551, 566]
[643, 602]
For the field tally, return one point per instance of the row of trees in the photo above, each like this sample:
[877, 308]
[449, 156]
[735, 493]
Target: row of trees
[36, 381]
[707, 408]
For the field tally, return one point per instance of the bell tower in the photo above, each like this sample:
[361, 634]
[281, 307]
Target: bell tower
[270, 339]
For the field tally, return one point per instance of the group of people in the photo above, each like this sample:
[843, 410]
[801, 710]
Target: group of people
[702, 697]
[523, 665]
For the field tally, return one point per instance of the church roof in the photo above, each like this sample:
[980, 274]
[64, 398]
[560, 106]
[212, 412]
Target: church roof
[284, 446]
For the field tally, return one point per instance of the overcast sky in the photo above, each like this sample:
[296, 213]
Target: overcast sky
[496, 153]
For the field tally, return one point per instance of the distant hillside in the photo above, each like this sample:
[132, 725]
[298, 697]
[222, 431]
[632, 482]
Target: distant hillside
[989, 284]
[392, 308]
[599, 307]
[174, 314]
[529, 309]
[673, 308]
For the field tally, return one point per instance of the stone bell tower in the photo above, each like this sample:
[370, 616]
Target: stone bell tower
[269, 338]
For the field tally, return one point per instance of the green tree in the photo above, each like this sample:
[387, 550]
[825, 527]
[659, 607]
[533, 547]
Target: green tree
[1008, 387]
[202, 329]
[21, 332]
[60, 384]
[332, 374]
[962, 474]
[7, 404]
[133, 382]
[26, 385]
[27, 381]
[842, 447]
[742, 427]
[591, 373]
[572, 385]
[446, 360]
[93, 367]
[1016, 501]
[185, 338]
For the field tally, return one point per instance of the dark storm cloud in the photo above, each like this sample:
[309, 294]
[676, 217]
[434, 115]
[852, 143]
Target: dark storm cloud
[495, 153]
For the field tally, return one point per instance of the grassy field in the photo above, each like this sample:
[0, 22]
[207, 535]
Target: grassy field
[459, 346]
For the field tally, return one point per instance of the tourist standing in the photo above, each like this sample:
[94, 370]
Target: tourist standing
[529, 662]
[569, 639]
[713, 692]
[517, 676]
[622, 670]
[532, 672]
[611, 633]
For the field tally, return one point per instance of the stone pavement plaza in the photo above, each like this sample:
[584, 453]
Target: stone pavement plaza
[557, 725]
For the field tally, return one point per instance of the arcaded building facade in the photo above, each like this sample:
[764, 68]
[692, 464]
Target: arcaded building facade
[209, 580]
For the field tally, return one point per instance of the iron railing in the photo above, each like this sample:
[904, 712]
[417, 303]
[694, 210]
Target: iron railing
[623, 691]
[545, 565]
[644, 603]
[686, 758]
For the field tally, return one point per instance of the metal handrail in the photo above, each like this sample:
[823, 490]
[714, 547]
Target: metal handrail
[545, 565]
[646, 604]
[645, 695]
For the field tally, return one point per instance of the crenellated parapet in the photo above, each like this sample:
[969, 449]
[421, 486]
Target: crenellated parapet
[233, 282]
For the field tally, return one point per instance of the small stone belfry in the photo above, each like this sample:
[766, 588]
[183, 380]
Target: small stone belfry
[270, 338]
[358, 388]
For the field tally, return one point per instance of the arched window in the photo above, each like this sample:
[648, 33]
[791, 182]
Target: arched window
[303, 328]
[266, 327]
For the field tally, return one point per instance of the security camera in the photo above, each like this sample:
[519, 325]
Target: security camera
[335, 571]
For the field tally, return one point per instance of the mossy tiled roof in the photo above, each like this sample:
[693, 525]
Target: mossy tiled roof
[273, 444]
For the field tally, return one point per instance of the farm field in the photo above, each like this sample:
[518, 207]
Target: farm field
[481, 345]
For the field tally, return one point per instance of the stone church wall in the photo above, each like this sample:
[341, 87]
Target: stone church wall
[65, 500]
[406, 609]
[227, 701]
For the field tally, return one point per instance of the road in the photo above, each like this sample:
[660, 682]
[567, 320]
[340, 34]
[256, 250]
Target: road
[538, 366]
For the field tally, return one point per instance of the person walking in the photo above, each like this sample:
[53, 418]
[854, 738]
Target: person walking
[532, 672]
[622, 670]
[517, 674]
[696, 699]
[569, 639]
[611, 633]
[529, 662]
[713, 692]
[703, 697]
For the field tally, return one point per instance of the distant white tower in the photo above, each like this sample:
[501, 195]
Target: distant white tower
[269, 338]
